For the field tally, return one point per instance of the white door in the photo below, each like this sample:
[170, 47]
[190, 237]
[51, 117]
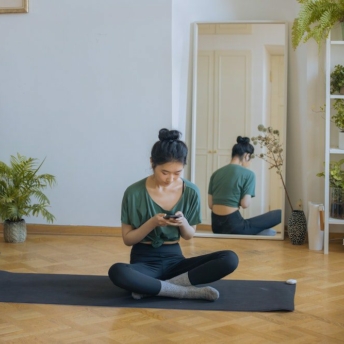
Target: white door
[223, 94]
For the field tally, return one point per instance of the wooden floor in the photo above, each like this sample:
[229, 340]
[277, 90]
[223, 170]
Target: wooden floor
[319, 301]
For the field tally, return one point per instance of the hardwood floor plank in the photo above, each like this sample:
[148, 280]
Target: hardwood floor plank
[319, 299]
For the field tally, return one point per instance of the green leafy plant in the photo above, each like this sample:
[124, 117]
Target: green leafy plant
[336, 174]
[21, 189]
[336, 180]
[316, 19]
[337, 79]
[270, 140]
[338, 117]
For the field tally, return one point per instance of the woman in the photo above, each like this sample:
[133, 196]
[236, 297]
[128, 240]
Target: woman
[232, 187]
[157, 265]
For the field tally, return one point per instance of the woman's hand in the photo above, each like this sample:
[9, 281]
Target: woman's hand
[160, 220]
[176, 222]
[186, 231]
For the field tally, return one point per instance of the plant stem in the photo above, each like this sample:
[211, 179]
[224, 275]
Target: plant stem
[286, 192]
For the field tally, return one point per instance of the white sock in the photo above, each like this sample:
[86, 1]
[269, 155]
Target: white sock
[190, 292]
[182, 280]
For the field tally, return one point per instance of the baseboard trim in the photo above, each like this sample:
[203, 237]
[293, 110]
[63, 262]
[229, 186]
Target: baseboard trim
[71, 230]
[106, 231]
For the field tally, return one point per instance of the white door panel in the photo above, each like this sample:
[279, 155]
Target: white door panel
[222, 112]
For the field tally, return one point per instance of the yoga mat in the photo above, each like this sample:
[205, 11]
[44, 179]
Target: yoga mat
[83, 290]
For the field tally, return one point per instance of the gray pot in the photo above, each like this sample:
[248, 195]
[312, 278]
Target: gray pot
[14, 231]
[297, 227]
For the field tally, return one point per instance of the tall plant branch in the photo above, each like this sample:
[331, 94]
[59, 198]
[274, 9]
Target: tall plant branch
[270, 140]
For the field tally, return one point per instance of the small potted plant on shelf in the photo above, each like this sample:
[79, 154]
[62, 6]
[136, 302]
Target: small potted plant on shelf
[338, 120]
[338, 117]
[270, 139]
[21, 194]
[336, 180]
[316, 19]
[337, 80]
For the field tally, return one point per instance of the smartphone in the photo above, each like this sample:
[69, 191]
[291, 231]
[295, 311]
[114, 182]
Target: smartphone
[171, 216]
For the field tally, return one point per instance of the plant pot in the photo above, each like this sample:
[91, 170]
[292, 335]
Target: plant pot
[297, 227]
[341, 139]
[337, 203]
[14, 232]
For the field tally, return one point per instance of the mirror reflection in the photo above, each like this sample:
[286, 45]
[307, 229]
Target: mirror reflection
[239, 83]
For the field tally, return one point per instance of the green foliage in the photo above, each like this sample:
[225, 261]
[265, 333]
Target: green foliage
[270, 140]
[21, 189]
[336, 174]
[316, 19]
[338, 117]
[337, 79]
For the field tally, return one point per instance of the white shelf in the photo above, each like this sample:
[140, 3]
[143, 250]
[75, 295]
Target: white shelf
[333, 221]
[336, 96]
[334, 51]
[336, 150]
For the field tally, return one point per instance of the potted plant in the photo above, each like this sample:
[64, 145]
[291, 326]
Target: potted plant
[316, 19]
[338, 120]
[337, 79]
[21, 194]
[297, 224]
[336, 180]
[338, 117]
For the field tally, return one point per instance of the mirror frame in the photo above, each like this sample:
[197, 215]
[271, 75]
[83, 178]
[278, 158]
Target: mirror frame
[207, 233]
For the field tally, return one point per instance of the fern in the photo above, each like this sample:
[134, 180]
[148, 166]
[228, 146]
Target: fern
[21, 189]
[316, 19]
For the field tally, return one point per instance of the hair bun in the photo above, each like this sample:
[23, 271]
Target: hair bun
[168, 135]
[241, 139]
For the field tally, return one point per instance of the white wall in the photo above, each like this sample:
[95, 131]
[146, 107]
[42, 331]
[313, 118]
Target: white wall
[86, 84]
[305, 128]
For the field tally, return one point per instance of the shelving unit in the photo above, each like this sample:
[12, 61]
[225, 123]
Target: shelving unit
[334, 48]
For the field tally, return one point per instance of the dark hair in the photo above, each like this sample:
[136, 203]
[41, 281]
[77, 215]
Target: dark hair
[241, 147]
[169, 148]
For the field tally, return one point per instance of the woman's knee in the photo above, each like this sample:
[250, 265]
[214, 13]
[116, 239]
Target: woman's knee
[231, 260]
[116, 272]
[277, 214]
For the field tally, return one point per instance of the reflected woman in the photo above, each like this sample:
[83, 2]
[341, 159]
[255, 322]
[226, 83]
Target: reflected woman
[157, 265]
[232, 187]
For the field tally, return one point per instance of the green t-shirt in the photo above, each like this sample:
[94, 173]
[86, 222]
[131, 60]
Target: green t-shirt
[138, 207]
[230, 183]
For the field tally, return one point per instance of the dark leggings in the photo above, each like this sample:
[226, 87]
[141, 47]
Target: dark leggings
[235, 224]
[149, 265]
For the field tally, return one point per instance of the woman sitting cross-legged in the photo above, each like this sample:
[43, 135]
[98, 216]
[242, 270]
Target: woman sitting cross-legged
[231, 187]
[157, 265]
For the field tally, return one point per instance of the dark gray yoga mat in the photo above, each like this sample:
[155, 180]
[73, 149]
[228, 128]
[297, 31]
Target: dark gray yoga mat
[82, 290]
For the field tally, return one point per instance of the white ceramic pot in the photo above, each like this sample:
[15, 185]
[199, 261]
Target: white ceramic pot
[14, 232]
[341, 139]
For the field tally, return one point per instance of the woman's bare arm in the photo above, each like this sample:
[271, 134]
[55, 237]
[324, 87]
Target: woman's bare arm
[210, 202]
[133, 236]
[245, 201]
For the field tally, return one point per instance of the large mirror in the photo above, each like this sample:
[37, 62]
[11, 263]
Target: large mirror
[239, 82]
